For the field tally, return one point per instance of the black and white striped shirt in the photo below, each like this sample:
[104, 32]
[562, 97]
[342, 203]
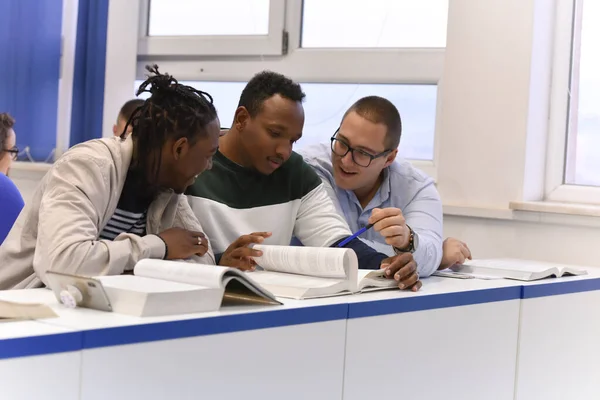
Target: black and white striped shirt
[131, 212]
[124, 221]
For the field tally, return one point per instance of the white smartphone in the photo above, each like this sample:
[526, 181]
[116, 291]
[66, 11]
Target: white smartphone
[92, 292]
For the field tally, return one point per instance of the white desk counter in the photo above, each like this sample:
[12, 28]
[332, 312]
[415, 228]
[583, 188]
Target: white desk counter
[454, 339]
[275, 352]
[34, 357]
[559, 340]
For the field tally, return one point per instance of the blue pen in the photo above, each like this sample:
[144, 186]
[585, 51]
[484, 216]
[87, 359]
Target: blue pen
[357, 234]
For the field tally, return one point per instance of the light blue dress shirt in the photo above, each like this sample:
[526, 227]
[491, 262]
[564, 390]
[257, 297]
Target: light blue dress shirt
[404, 187]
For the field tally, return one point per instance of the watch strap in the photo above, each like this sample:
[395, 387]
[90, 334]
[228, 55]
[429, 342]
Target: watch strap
[411, 243]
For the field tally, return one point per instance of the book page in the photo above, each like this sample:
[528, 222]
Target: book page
[324, 262]
[295, 286]
[267, 278]
[510, 264]
[371, 274]
[15, 311]
[238, 291]
[448, 273]
[509, 268]
[372, 279]
[570, 271]
[182, 272]
[144, 284]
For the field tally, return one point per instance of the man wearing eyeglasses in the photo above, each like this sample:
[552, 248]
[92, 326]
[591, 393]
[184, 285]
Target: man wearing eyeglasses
[11, 202]
[370, 186]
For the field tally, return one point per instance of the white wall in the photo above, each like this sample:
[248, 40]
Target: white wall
[562, 243]
[494, 112]
[494, 128]
[27, 177]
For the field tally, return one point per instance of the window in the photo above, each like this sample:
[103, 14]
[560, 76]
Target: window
[396, 50]
[326, 103]
[583, 143]
[208, 27]
[573, 164]
[388, 23]
[208, 17]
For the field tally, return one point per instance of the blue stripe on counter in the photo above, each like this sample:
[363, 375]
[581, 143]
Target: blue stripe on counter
[40, 345]
[557, 287]
[121, 335]
[443, 300]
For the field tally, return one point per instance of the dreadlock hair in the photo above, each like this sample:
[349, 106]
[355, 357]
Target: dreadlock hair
[172, 111]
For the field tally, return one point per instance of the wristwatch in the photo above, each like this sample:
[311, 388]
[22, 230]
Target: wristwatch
[413, 242]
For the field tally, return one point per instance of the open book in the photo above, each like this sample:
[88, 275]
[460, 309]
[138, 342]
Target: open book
[11, 311]
[306, 272]
[159, 287]
[522, 270]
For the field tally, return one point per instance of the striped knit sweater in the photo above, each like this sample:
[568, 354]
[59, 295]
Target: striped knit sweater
[230, 201]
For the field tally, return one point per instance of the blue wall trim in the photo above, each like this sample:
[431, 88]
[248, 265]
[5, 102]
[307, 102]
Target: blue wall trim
[90, 63]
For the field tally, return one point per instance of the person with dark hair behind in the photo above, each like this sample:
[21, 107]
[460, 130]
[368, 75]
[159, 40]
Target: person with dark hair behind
[8, 140]
[125, 113]
[259, 183]
[107, 203]
[11, 201]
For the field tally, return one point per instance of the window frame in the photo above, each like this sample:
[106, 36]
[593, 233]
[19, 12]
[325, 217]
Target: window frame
[385, 66]
[562, 121]
[213, 45]
[67, 74]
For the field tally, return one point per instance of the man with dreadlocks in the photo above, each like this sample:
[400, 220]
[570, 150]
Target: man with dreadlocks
[107, 203]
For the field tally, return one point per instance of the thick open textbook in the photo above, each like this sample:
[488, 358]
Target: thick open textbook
[159, 287]
[306, 272]
[508, 268]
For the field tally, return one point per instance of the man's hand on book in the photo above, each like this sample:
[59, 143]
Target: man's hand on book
[455, 252]
[239, 255]
[403, 269]
[182, 244]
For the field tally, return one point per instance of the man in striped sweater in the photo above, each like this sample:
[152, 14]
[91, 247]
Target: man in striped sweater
[258, 184]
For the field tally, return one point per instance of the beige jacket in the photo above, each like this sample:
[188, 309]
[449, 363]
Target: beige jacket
[59, 228]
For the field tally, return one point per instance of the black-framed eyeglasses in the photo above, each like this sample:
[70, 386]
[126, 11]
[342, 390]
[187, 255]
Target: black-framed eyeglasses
[14, 152]
[360, 157]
